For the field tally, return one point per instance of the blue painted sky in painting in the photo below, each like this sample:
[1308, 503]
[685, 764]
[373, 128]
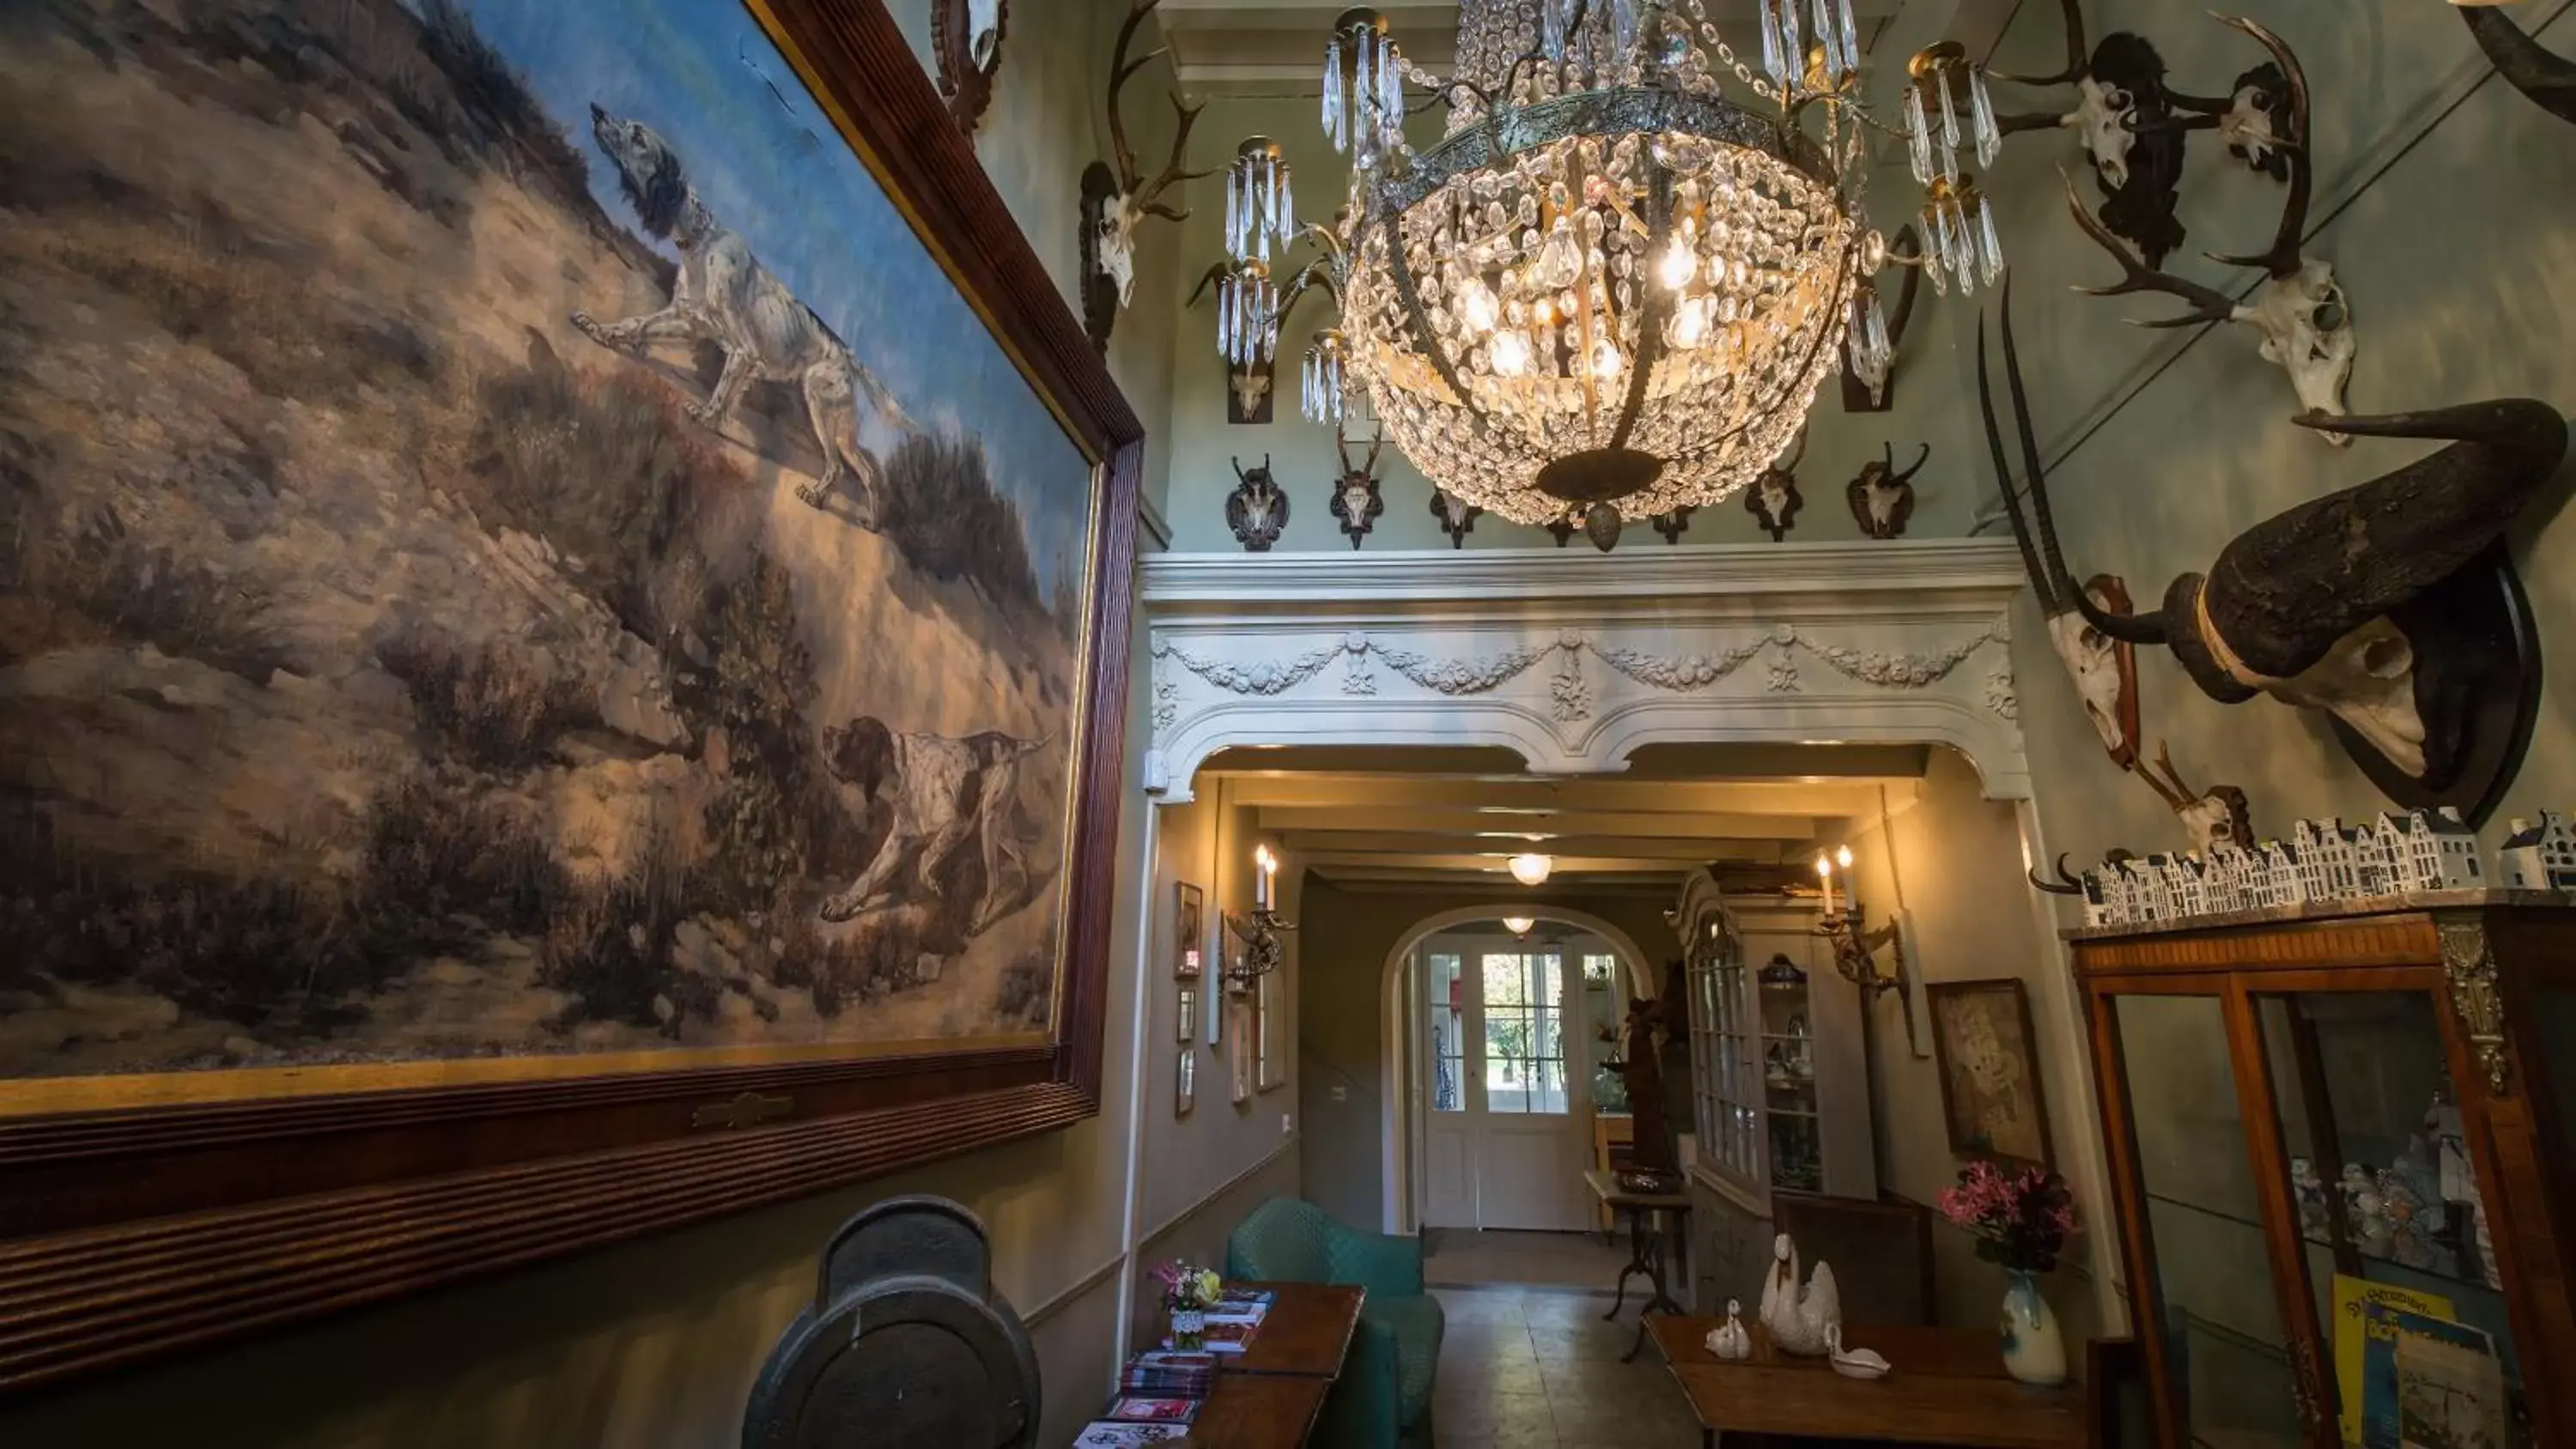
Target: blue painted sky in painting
[767, 161]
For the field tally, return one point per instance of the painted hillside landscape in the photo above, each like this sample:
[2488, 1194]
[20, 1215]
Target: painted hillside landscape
[508, 545]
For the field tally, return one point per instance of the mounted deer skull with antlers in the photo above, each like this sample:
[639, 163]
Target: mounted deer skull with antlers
[1356, 503]
[1115, 201]
[2219, 817]
[1881, 498]
[1773, 499]
[2124, 119]
[2341, 603]
[2299, 308]
[2548, 79]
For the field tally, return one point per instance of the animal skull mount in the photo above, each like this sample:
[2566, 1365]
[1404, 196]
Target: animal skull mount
[2298, 309]
[1115, 201]
[2219, 816]
[2104, 669]
[1249, 393]
[2124, 118]
[1257, 510]
[1773, 499]
[966, 41]
[2549, 80]
[2379, 604]
[1356, 503]
[1882, 499]
[1457, 518]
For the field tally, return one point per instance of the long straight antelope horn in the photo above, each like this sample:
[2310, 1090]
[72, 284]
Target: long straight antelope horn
[2548, 79]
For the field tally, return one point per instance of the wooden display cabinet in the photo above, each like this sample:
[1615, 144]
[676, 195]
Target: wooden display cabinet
[2243, 1061]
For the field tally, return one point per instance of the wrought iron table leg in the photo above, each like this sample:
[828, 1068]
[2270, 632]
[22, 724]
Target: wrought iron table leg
[1652, 1249]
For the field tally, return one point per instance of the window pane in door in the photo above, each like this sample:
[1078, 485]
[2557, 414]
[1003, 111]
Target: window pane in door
[1446, 982]
[1506, 980]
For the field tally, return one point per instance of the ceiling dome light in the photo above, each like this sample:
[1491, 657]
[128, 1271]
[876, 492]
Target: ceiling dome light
[1519, 925]
[1531, 868]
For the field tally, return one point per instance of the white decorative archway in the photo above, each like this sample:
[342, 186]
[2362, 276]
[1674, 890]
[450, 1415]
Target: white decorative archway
[1574, 661]
[1395, 1124]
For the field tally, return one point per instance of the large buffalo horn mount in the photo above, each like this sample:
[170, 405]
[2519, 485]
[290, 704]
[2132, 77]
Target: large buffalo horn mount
[2380, 604]
[2548, 79]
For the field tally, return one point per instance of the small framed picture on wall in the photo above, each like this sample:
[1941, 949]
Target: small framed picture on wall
[1239, 1056]
[1189, 1015]
[1989, 1068]
[1185, 1087]
[1189, 932]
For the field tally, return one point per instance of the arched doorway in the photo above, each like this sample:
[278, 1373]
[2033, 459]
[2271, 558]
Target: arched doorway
[1406, 1072]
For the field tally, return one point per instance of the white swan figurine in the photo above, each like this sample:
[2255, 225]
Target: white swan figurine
[1855, 1363]
[1799, 1321]
[1730, 1341]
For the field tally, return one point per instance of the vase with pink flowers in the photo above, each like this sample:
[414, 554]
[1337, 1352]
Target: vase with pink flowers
[1188, 1293]
[2021, 1220]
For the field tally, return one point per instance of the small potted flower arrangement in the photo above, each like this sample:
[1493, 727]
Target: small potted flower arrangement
[2021, 1221]
[1188, 1293]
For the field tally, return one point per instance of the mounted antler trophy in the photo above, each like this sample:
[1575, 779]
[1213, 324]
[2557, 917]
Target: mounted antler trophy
[2548, 79]
[1457, 518]
[1356, 503]
[1256, 510]
[966, 39]
[2389, 605]
[2105, 670]
[2131, 124]
[2218, 817]
[2299, 308]
[1773, 499]
[1115, 201]
[1882, 499]
[1869, 373]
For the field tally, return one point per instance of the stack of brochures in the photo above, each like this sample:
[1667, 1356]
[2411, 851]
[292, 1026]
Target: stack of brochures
[1170, 1374]
[2411, 1376]
[1236, 1317]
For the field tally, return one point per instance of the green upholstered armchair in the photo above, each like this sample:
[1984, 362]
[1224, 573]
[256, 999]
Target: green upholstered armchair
[1383, 1398]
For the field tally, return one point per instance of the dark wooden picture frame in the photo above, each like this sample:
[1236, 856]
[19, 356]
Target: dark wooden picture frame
[144, 1225]
[2020, 1048]
[1189, 932]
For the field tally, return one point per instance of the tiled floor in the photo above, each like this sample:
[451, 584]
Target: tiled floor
[1460, 1257]
[1537, 1368]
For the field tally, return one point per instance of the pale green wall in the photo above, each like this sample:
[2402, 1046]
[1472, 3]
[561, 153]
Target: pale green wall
[654, 1344]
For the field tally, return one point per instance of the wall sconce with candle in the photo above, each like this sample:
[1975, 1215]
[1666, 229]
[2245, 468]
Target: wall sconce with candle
[1263, 951]
[1855, 944]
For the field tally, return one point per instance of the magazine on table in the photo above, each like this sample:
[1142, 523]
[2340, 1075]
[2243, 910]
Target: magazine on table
[1111, 1434]
[1229, 1338]
[2429, 1383]
[1143, 1410]
[2351, 1297]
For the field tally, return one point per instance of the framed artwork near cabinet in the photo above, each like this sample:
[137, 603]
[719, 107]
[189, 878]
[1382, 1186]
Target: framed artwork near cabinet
[1185, 1083]
[1189, 931]
[1988, 1059]
[1188, 1014]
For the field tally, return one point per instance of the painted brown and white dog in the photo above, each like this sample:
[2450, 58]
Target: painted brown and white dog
[942, 792]
[725, 296]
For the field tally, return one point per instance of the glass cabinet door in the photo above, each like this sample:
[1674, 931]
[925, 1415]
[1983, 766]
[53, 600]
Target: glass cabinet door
[2395, 1245]
[1788, 1069]
[2228, 1363]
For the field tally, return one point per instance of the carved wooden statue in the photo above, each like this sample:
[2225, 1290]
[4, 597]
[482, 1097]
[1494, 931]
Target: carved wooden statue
[1640, 1067]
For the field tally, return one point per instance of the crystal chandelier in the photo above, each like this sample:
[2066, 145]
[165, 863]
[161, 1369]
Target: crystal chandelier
[1612, 289]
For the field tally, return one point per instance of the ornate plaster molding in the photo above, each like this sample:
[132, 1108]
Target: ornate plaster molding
[1447, 648]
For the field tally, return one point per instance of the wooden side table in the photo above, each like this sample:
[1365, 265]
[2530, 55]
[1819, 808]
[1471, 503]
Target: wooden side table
[1948, 1387]
[1655, 1226]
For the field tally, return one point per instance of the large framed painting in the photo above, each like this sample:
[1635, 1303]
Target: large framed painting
[563, 598]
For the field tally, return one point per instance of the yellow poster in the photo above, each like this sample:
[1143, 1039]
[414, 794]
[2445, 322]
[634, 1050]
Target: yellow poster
[2350, 1294]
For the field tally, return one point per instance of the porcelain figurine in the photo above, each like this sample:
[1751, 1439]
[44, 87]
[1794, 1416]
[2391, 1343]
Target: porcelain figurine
[1799, 1319]
[2364, 1211]
[1854, 1363]
[2314, 1224]
[1729, 1340]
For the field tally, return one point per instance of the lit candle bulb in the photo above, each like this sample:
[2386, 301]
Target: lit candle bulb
[1261, 880]
[1825, 877]
[1606, 361]
[1678, 264]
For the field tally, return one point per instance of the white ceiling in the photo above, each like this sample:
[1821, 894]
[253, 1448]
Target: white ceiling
[1276, 47]
[1408, 818]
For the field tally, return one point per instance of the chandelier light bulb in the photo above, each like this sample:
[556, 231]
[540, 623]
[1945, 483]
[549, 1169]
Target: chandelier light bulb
[1511, 354]
[1531, 868]
[1690, 324]
[1678, 265]
[1478, 306]
[1606, 361]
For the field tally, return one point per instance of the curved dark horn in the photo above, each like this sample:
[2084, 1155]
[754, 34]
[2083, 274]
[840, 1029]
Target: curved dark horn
[1215, 273]
[1911, 243]
[1887, 451]
[2548, 79]
[2282, 259]
[2078, 64]
[1920, 459]
[2071, 886]
[2041, 582]
[2285, 590]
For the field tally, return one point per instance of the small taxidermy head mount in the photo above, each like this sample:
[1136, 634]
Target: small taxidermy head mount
[1256, 510]
[2219, 817]
[1773, 499]
[2299, 309]
[2124, 116]
[1356, 503]
[2548, 79]
[1882, 499]
[2324, 606]
[1115, 200]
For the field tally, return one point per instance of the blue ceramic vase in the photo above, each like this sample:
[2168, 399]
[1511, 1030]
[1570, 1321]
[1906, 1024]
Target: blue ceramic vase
[2034, 1349]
